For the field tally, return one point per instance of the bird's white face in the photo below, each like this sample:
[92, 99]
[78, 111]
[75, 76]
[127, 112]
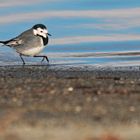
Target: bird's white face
[41, 32]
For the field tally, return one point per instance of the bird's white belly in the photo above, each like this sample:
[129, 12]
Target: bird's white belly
[32, 51]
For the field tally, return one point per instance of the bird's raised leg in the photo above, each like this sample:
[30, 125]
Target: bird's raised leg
[43, 57]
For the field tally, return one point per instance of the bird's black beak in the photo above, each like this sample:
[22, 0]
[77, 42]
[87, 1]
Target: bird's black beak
[49, 34]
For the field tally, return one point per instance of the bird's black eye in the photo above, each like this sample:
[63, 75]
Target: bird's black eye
[41, 31]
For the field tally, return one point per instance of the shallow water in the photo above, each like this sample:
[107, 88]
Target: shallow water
[83, 32]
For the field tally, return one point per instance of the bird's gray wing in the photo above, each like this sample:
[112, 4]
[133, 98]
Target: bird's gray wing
[14, 42]
[19, 40]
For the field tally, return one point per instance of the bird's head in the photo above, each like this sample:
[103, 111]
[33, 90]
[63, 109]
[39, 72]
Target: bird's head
[40, 30]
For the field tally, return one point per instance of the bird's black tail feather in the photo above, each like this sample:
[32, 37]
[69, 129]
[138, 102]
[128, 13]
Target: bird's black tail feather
[6, 42]
[3, 42]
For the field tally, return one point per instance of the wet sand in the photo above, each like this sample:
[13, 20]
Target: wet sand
[69, 103]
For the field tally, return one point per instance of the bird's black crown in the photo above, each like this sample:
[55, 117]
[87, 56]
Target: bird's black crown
[39, 26]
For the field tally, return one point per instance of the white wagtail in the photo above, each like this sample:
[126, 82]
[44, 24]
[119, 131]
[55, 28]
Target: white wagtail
[31, 42]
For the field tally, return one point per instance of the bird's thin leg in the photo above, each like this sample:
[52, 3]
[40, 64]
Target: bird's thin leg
[43, 57]
[22, 59]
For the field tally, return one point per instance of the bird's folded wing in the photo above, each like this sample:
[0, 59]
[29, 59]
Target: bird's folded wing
[14, 42]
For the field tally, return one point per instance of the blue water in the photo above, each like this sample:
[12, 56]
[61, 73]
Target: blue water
[84, 32]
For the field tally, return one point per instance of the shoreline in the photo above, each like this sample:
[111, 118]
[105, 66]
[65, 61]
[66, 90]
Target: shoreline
[63, 71]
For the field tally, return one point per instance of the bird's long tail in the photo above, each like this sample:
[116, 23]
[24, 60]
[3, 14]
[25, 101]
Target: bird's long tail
[3, 42]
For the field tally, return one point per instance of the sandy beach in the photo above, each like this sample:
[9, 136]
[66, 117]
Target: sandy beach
[69, 103]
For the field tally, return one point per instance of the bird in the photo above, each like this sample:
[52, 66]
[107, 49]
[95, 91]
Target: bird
[30, 42]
